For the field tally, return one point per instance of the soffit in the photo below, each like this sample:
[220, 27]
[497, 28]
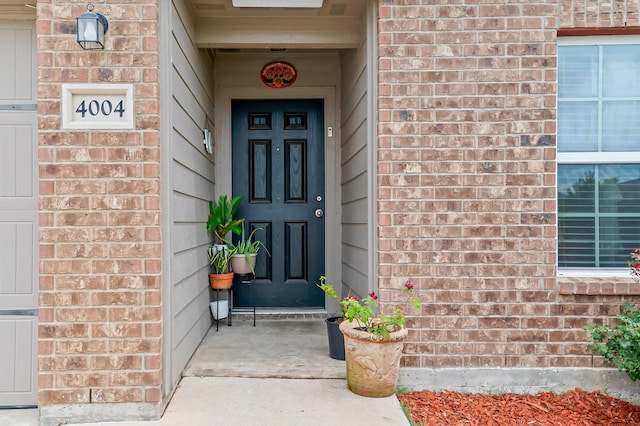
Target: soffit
[12, 9]
[217, 8]
[337, 24]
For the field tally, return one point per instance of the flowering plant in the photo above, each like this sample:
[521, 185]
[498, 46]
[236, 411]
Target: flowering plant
[330, 292]
[363, 310]
[634, 263]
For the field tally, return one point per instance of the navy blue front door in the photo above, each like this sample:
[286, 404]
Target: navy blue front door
[278, 169]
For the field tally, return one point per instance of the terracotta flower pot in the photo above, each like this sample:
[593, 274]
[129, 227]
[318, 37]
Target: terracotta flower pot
[372, 362]
[221, 280]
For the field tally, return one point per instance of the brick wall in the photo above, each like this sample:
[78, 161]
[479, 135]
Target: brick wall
[599, 13]
[100, 300]
[467, 183]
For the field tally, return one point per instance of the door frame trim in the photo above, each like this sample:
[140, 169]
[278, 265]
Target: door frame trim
[222, 156]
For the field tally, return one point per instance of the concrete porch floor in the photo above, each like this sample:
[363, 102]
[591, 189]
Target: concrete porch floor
[277, 373]
[287, 349]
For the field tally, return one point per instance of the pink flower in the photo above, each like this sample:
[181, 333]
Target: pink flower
[408, 285]
[373, 296]
[351, 297]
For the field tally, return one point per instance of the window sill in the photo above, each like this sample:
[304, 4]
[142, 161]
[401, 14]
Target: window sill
[598, 286]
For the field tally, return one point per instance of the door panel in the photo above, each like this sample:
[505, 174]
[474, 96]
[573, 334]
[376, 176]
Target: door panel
[278, 168]
[17, 49]
[16, 145]
[17, 281]
[18, 215]
[17, 360]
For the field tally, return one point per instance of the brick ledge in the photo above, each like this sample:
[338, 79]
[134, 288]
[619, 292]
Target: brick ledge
[595, 286]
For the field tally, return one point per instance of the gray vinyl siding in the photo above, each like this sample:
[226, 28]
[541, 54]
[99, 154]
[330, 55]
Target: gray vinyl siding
[18, 215]
[192, 183]
[243, 70]
[355, 175]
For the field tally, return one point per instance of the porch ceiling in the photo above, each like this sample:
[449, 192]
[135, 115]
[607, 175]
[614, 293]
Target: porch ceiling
[337, 24]
[14, 9]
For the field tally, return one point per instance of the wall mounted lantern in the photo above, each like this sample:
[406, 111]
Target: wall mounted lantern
[91, 29]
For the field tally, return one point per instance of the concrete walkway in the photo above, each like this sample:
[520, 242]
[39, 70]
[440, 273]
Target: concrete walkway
[19, 417]
[229, 401]
[278, 373]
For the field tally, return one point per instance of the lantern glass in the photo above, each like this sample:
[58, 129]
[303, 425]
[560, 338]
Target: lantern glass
[90, 30]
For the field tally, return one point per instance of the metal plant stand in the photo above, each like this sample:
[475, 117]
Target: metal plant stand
[246, 279]
[229, 296]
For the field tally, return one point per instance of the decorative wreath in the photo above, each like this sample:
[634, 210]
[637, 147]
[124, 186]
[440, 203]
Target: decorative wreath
[278, 74]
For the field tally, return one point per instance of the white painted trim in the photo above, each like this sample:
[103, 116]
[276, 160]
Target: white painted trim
[598, 157]
[277, 3]
[372, 146]
[166, 158]
[222, 154]
[594, 273]
[598, 40]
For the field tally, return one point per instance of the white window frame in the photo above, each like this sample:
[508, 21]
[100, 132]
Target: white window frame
[595, 157]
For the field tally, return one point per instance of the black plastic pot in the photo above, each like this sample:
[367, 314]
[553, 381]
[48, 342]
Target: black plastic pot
[336, 339]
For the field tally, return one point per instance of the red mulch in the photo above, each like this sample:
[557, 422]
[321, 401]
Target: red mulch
[575, 408]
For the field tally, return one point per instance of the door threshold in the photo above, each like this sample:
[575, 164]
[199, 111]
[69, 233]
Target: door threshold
[297, 311]
[282, 313]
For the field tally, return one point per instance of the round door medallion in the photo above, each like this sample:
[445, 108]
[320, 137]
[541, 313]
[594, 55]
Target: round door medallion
[278, 74]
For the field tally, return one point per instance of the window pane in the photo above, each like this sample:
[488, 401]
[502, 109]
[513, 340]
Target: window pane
[598, 230]
[613, 252]
[619, 188]
[576, 188]
[598, 204]
[578, 128]
[629, 238]
[576, 245]
[621, 70]
[618, 238]
[620, 126]
[577, 71]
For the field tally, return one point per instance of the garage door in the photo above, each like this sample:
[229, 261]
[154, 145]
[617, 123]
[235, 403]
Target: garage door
[18, 215]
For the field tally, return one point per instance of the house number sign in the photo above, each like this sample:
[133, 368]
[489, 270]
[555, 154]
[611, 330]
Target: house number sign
[97, 106]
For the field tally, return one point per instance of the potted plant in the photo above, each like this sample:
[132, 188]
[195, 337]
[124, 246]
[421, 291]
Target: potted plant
[220, 276]
[336, 339]
[244, 252]
[220, 221]
[373, 344]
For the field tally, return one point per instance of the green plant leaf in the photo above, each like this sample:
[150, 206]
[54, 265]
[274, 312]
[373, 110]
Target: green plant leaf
[620, 345]
[220, 221]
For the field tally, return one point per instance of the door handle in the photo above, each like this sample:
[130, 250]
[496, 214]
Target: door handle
[319, 213]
